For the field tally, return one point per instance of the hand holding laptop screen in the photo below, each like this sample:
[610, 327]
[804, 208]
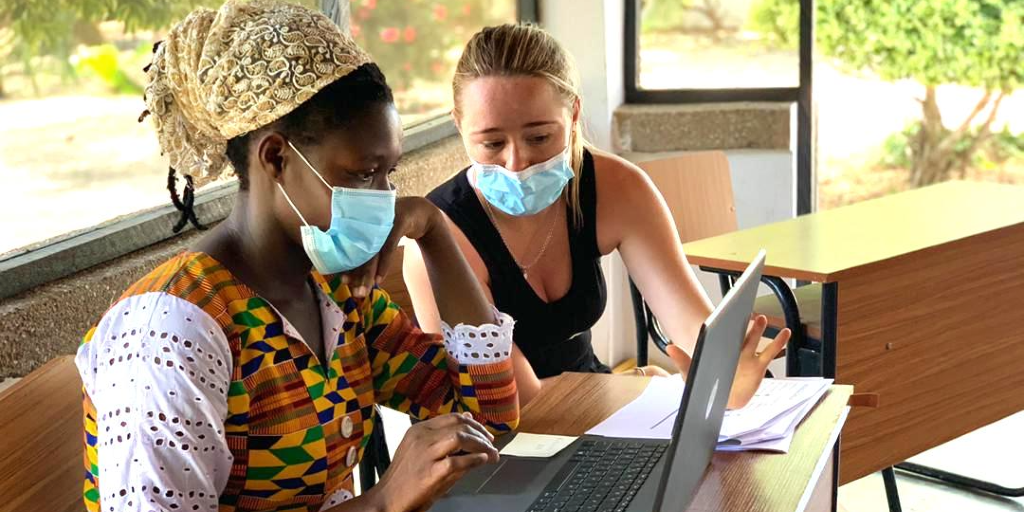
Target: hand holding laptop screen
[752, 365]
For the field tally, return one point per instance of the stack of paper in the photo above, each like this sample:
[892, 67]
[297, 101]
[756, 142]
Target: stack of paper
[766, 423]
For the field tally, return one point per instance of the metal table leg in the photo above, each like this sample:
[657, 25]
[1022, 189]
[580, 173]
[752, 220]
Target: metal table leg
[790, 310]
[960, 480]
[829, 323]
[892, 494]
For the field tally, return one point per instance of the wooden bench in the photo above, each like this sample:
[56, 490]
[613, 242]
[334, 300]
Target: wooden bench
[41, 440]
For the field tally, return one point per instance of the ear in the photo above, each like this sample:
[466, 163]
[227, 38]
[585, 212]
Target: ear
[270, 155]
[576, 104]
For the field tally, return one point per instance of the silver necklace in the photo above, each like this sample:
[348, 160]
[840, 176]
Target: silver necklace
[547, 240]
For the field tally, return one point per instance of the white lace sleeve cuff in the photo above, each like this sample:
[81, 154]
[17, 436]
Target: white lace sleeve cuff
[484, 344]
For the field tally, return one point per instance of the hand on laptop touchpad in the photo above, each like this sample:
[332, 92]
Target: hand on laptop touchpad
[513, 475]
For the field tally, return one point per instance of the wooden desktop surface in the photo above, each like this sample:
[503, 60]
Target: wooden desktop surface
[41, 441]
[829, 245]
[746, 481]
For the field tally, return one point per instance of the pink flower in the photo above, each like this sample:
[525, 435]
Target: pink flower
[389, 34]
[437, 67]
[409, 34]
[370, 4]
[363, 13]
[440, 12]
[466, 9]
[356, 30]
[407, 66]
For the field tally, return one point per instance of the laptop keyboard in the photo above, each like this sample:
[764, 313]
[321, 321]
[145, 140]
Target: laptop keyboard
[605, 477]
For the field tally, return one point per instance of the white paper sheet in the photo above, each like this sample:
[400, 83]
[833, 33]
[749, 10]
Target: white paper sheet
[768, 422]
[650, 416]
[780, 445]
[776, 437]
[536, 445]
[775, 399]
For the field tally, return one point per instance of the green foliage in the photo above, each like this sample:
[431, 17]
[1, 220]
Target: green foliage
[895, 149]
[969, 42]
[1001, 146]
[103, 61]
[1005, 146]
[39, 23]
[975, 43]
[778, 21]
[52, 28]
[411, 39]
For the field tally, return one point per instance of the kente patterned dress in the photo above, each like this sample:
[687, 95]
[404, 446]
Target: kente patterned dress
[200, 396]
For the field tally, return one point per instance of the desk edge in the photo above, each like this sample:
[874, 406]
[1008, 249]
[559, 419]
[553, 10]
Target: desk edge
[819, 467]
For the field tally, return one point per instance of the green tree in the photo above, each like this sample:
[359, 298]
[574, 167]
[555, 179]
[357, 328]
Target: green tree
[38, 22]
[976, 43]
[6, 49]
[55, 27]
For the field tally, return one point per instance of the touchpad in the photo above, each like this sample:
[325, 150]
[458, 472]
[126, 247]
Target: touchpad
[514, 475]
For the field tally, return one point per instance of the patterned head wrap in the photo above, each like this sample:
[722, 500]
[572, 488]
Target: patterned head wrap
[220, 74]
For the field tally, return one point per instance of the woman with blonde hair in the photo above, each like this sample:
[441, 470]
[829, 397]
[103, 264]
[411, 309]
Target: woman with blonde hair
[242, 374]
[538, 208]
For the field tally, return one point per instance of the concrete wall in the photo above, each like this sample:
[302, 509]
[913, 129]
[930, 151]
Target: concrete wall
[592, 32]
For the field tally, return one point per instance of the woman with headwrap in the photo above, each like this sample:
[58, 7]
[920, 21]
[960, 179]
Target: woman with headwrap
[242, 373]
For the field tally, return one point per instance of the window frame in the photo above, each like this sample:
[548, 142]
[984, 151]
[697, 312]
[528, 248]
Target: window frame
[26, 267]
[800, 95]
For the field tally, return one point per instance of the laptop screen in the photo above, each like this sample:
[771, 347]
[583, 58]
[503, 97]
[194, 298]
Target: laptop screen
[702, 408]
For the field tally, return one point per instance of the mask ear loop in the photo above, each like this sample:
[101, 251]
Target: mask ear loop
[303, 157]
[289, 199]
[290, 203]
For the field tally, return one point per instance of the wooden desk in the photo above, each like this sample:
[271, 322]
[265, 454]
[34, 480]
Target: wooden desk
[41, 426]
[747, 481]
[41, 441]
[923, 292]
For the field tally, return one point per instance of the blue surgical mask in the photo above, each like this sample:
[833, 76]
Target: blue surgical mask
[361, 221]
[526, 192]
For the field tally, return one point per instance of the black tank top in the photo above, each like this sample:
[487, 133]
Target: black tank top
[554, 336]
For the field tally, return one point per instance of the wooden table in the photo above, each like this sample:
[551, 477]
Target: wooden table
[922, 297]
[41, 440]
[804, 479]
